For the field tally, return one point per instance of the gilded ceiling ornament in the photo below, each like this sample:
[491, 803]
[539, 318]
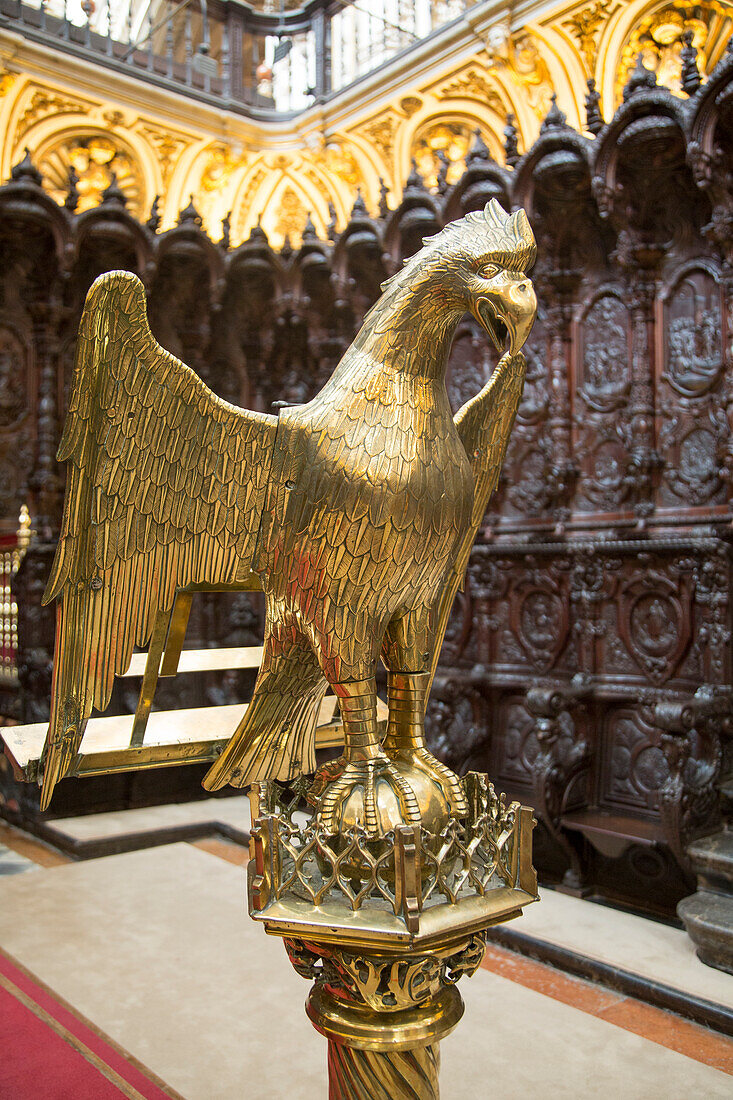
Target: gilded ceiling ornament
[7, 79]
[313, 177]
[381, 133]
[114, 118]
[440, 152]
[584, 25]
[520, 55]
[212, 195]
[168, 146]
[474, 84]
[290, 218]
[659, 40]
[44, 102]
[220, 164]
[244, 204]
[340, 161]
[410, 104]
[94, 160]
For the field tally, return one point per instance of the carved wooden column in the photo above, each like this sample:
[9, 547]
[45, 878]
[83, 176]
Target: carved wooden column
[562, 758]
[45, 480]
[560, 286]
[719, 231]
[639, 262]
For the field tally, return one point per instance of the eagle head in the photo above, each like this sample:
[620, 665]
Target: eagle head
[482, 260]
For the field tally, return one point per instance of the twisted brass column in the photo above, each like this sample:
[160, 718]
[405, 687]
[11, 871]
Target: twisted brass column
[403, 1075]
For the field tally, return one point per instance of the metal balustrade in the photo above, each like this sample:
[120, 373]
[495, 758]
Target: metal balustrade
[260, 61]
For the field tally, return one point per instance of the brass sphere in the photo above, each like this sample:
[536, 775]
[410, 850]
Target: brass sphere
[432, 800]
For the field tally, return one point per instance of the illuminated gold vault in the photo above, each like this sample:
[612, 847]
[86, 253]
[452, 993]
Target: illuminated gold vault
[314, 164]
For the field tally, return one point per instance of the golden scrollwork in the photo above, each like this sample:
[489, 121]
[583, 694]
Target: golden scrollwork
[411, 104]
[168, 147]
[220, 165]
[381, 133]
[290, 218]
[44, 102]
[341, 162]
[474, 84]
[388, 983]
[7, 79]
[114, 118]
[247, 202]
[585, 25]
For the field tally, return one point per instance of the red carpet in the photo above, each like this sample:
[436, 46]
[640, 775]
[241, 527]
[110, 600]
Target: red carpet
[47, 1052]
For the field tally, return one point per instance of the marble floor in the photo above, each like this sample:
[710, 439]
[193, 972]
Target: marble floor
[153, 950]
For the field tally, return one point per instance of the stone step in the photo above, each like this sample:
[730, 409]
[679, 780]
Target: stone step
[712, 860]
[708, 918]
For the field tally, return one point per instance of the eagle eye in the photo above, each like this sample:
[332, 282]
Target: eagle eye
[488, 271]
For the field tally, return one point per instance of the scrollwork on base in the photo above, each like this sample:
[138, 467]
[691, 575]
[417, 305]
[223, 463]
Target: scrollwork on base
[386, 983]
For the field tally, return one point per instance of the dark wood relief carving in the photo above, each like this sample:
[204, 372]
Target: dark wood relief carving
[587, 665]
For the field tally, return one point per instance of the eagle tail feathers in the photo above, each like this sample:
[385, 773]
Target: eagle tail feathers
[274, 740]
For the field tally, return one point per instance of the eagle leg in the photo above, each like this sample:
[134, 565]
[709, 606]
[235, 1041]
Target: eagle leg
[350, 791]
[405, 738]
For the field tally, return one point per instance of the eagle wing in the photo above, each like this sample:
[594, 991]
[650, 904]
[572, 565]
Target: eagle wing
[484, 425]
[166, 485]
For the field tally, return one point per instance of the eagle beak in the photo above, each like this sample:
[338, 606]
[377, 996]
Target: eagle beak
[507, 311]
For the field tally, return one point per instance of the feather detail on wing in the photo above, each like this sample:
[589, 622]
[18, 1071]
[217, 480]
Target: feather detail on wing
[484, 425]
[166, 485]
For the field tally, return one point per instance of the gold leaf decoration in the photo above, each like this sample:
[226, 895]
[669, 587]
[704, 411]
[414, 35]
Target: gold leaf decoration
[94, 158]
[168, 146]
[290, 219]
[440, 150]
[474, 84]
[44, 102]
[7, 79]
[658, 38]
[381, 133]
[585, 24]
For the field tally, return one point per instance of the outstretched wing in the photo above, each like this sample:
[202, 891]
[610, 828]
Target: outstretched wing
[484, 425]
[165, 489]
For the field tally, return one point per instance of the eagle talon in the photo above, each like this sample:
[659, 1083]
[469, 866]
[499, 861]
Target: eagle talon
[370, 793]
[423, 760]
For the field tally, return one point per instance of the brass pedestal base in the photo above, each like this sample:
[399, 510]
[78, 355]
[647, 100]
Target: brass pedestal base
[365, 1029]
[385, 928]
[383, 1055]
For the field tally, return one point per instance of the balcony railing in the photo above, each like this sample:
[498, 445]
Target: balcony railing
[256, 61]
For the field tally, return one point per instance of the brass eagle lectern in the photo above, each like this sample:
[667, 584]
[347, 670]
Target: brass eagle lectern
[357, 511]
